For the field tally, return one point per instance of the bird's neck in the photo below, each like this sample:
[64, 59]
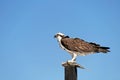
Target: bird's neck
[59, 38]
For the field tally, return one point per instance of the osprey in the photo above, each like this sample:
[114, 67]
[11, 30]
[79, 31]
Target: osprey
[77, 46]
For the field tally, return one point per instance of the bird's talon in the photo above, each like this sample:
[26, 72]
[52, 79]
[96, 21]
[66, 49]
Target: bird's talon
[70, 61]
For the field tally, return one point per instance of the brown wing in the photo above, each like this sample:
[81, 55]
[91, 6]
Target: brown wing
[100, 48]
[78, 45]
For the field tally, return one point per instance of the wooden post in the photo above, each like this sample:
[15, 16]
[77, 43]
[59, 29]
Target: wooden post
[71, 70]
[70, 73]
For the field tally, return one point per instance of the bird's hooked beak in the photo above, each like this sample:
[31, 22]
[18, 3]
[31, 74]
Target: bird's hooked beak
[55, 36]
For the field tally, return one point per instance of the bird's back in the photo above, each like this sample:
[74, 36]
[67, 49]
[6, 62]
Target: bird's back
[81, 46]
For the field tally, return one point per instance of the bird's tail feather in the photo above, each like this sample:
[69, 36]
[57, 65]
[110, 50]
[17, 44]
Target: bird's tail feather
[104, 49]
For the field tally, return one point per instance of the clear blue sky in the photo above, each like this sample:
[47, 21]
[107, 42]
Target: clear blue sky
[28, 50]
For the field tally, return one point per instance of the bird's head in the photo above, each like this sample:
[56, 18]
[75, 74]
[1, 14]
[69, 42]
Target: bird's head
[59, 36]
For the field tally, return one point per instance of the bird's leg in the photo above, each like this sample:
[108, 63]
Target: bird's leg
[73, 58]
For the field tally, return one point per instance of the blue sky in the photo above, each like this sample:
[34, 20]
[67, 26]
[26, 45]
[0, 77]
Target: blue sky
[28, 50]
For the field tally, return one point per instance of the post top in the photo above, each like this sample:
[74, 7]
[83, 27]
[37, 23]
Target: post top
[72, 64]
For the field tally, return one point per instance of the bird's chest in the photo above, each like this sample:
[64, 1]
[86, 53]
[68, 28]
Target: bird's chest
[71, 52]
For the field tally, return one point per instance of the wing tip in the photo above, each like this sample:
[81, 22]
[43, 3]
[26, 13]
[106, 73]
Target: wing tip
[104, 49]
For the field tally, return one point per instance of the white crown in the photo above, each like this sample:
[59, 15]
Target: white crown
[60, 33]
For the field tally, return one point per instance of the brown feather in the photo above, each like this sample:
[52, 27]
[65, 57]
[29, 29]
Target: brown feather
[81, 46]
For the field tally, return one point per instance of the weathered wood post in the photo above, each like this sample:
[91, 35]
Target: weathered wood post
[70, 70]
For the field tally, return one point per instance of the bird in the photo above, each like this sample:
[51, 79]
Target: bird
[77, 46]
